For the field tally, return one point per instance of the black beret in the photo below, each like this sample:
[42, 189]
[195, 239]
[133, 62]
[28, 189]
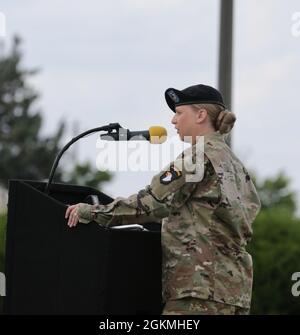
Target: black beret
[196, 94]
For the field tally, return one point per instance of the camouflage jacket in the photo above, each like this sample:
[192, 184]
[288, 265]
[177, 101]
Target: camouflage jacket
[206, 217]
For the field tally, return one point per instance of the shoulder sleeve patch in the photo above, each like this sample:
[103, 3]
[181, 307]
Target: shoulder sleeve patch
[170, 175]
[184, 170]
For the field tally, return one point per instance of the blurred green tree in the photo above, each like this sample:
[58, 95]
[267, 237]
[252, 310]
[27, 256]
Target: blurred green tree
[275, 248]
[24, 152]
[84, 174]
[275, 192]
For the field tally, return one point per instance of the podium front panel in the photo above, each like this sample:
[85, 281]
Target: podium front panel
[54, 269]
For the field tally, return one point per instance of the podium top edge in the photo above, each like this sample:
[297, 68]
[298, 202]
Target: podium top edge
[59, 187]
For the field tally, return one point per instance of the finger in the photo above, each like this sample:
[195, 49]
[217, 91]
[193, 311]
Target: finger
[70, 222]
[69, 209]
[75, 221]
[74, 217]
[70, 217]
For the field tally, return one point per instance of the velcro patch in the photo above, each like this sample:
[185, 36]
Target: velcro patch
[170, 175]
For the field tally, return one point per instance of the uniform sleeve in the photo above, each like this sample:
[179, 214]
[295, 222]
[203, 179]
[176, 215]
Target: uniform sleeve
[169, 188]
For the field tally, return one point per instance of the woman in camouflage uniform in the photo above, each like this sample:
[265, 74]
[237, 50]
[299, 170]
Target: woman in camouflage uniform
[207, 203]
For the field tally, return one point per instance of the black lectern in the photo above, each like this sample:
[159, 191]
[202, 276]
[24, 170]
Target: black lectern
[52, 269]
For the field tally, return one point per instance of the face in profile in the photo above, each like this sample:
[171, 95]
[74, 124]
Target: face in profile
[186, 123]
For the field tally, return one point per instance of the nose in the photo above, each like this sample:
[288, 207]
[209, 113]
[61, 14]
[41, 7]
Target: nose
[174, 119]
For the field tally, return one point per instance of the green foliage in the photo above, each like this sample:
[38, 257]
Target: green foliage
[275, 249]
[275, 192]
[276, 256]
[24, 153]
[83, 174]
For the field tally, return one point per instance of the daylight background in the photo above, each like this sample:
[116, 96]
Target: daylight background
[111, 61]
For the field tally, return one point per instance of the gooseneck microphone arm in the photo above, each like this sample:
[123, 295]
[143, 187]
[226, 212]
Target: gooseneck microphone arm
[109, 128]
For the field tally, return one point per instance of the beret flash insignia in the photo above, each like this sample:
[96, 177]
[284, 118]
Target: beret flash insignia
[173, 96]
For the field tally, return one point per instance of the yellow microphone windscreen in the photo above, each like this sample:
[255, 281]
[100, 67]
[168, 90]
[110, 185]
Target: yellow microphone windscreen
[158, 134]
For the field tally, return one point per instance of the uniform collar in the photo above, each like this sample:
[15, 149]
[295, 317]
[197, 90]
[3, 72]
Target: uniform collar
[215, 136]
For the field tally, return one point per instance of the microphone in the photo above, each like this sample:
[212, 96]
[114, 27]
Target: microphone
[155, 135]
[115, 132]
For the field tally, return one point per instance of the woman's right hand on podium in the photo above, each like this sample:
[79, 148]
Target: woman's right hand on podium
[80, 212]
[72, 215]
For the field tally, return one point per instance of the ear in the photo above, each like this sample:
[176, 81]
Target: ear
[201, 115]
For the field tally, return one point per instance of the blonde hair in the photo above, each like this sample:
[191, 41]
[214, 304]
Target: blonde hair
[221, 118]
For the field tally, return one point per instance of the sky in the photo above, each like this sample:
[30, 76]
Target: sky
[111, 61]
